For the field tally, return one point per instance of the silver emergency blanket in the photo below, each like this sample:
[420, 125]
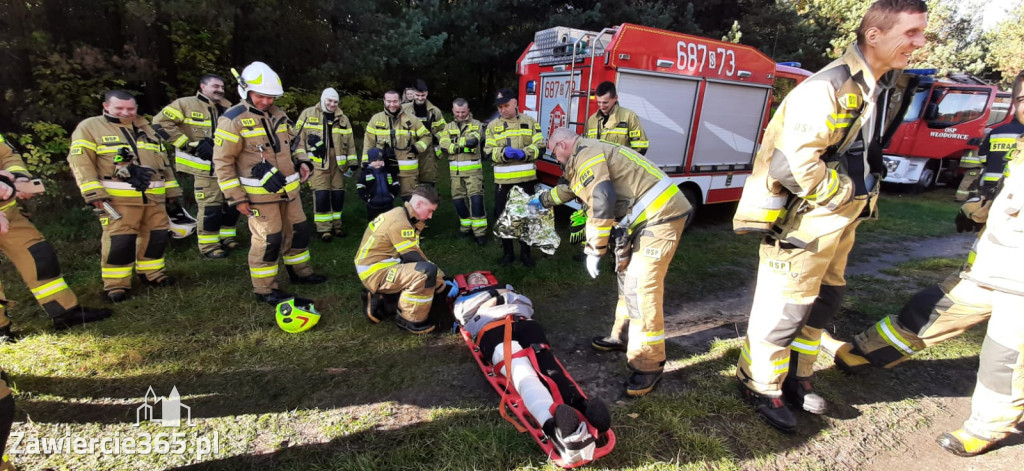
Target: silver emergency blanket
[519, 221]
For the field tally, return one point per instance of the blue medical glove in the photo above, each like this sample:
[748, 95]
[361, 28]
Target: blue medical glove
[514, 154]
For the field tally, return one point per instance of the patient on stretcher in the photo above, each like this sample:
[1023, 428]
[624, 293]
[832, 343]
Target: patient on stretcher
[481, 308]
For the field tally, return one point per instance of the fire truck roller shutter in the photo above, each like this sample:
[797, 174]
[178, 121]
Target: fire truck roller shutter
[730, 125]
[665, 104]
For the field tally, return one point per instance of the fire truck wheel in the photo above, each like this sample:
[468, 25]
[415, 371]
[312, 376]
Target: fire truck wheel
[926, 181]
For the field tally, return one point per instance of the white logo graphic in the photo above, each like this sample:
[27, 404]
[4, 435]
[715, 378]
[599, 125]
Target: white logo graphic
[170, 410]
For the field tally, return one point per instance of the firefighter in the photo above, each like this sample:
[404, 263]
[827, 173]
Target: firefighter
[461, 139]
[807, 193]
[408, 95]
[615, 124]
[256, 172]
[188, 125]
[390, 261]
[941, 312]
[433, 120]
[32, 254]
[513, 142]
[637, 212]
[6, 420]
[122, 171]
[326, 134]
[401, 137]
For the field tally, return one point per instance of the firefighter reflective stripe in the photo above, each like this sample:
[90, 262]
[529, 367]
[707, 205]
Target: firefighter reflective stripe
[208, 239]
[116, 272]
[84, 143]
[255, 186]
[509, 132]
[199, 122]
[654, 338]
[830, 190]
[839, 121]
[50, 288]
[180, 141]
[590, 163]
[308, 127]
[653, 200]
[255, 132]
[365, 271]
[598, 231]
[322, 217]
[226, 135]
[778, 366]
[189, 160]
[1002, 142]
[464, 165]
[8, 205]
[479, 223]
[336, 216]
[408, 164]
[465, 223]
[993, 176]
[805, 346]
[892, 337]
[635, 140]
[263, 272]
[971, 157]
[508, 172]
[228, 232]
[341, 131]
[412, 298]
[157, 264]
[124, 189]
[297, 258]
[406, 245]
[554, 196]
[89, 186]
[228, 184]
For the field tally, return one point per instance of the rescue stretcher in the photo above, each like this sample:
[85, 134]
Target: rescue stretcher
[511, 404]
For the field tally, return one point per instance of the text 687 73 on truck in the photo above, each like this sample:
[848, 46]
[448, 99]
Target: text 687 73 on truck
[703, 103]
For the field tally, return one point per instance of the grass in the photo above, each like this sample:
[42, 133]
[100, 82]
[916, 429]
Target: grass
[351, 395]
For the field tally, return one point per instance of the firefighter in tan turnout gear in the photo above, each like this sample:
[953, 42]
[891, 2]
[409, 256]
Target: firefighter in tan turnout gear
[462, 139]
[123, 172]
[32, 254]
[433, 120]
[256, 172]
[401, 137]
[614, 124]
[389, 261]
[943, 311]
[638, 213]
[188, 125]
[808, 193]
[513, 142]
[326, 134]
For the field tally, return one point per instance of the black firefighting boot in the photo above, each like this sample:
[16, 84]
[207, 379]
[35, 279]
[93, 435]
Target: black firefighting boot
[524, 254]
[772, 409]
[161, 281]
[312, 279]
[418, 328]
[608, 344]
[964, 443]
[274, 297]
[79, 315]
[798, 392]
[508, 254]
[640, 383]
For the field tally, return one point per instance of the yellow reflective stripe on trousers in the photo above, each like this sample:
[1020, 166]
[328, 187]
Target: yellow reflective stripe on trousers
[806, 346]
[365, 271]
[654, 338]
[889, 334]
[263, 272]
[408, 164]
[479, 222]
[322, 217]
[296, 259]
[225, 233]
[416, 299]
[150, 264]
[50, 288]
[778, 366]
[209, 239]
[115, 272]
[508, 172]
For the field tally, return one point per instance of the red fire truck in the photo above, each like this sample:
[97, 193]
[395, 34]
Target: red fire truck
[703, 103]
[947, 119]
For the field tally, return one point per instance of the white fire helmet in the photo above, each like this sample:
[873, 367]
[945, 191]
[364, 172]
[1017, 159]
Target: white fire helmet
[182, 224]
[260, 78]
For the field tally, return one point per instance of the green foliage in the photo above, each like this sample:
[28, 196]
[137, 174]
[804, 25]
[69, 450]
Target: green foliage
[734, 35]
[1005, 52]
[44, 149]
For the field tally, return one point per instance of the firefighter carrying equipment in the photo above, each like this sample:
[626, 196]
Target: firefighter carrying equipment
[296, 315]
[522, 135]
[259, 78]
[180, 222]
[269, 178]
[539, 397]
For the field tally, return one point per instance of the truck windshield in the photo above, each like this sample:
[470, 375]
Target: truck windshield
[959, 106]
[1000, 109]
[914, 111]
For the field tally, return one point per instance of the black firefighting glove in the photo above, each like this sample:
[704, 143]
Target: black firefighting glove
[269, 177]
[389, 154]
[124, 155]
[204, 149]
[139, 177]
[316, 146]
